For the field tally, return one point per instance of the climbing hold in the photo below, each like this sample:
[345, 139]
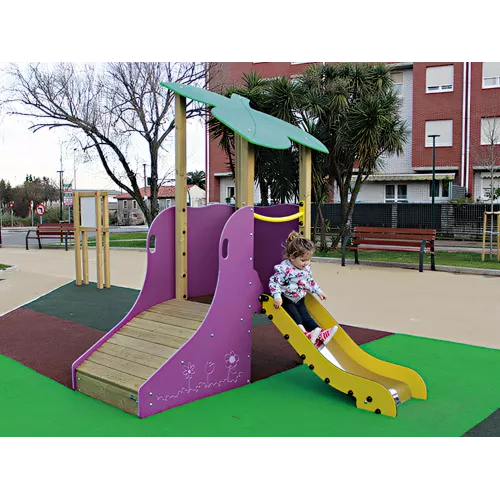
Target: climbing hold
[311, 367]
[302, 356]
[350, 393]
[369, 399]
[270, 316]
[287, 336]
[327, 380]
[377, 411]
[262, 311]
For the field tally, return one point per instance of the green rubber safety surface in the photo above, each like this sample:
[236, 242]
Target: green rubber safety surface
[463, 384]
[254, 126]
[87, 305]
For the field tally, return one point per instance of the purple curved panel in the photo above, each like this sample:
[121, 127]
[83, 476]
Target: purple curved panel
[217, 357]
[269, 238]
[205, 225]
[159, 282]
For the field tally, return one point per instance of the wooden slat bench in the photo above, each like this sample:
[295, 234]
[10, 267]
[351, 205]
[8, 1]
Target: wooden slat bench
[393, 240]
[61, 230]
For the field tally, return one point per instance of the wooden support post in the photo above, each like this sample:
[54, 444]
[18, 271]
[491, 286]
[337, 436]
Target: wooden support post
[98, 240]
[85, 251]
[245, 168]
[105, 219]
[78, 252]
[181, 278]
[305, 187]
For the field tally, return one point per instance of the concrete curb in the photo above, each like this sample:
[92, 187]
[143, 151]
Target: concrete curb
[404, 265]
[10, 269]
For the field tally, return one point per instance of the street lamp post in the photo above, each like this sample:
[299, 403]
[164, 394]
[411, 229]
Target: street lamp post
[60, 172]
[433, 189]
[74, 169]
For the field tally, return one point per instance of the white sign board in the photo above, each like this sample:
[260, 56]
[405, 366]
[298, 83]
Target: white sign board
[87, 205]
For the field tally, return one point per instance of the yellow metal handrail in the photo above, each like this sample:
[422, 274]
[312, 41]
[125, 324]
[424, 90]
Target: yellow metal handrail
[299, 215]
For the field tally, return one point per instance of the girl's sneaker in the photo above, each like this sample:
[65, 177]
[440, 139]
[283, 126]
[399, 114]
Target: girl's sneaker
[325, 336]
[314, 335]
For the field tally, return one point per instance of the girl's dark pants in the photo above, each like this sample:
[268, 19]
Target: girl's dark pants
[299, 313]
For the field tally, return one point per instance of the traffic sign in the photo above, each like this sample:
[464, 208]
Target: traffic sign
[11, 204]
[31, 204]
[40, 209]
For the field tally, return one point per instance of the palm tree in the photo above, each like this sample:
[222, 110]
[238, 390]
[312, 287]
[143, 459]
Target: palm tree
[354, 112]
[197, 178]
[275, 170]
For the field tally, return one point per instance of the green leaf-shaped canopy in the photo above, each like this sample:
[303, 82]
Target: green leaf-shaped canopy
[256, 127]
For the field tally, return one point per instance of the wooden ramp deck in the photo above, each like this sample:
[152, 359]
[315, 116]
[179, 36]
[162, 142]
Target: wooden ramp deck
[115, 371]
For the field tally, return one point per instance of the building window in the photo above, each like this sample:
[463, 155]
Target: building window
[124, 203]
[397, 78]
[443, 128]
[230, 192]
[491, 75]
[134, 204]
[439, 79]
[396, 193]
[168, 202]
[490, 130]
[441, 189]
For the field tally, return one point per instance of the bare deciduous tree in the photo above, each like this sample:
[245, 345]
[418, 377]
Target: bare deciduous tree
[105, 109]
[488, 156]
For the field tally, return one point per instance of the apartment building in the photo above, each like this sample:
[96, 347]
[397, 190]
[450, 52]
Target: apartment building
[458, 101]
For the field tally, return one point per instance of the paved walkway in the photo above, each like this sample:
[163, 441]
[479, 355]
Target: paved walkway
[456, 307]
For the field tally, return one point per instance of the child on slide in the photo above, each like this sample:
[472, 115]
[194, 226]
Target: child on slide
[291, 282]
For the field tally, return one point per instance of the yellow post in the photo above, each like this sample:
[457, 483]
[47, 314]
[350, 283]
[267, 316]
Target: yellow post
[181, 280]
[305, 186]
[98, 239]
[76, 223]
[105, 224]
[85, 251]
[244, 171]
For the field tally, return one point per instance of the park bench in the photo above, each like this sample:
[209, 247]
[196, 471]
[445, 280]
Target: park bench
[393, 240]
[52, 230]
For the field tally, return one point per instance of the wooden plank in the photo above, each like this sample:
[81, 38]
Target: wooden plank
[186, 305]
[85, 252]
[132, 355]
[106, 374]
[394, 243]
[181, 265]
[305, 187]
[122, 365]
[178, 314]
[153, 337]
[153, 326]
[142, 346]
[392, 236]
[170, 320]
[386, 249]
[107, 393]
[367, 229]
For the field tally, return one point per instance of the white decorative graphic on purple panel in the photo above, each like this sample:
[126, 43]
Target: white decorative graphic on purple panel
[231, 360]
[188, 373]
[209, 369]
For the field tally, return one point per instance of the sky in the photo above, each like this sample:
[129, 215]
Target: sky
[23, 152]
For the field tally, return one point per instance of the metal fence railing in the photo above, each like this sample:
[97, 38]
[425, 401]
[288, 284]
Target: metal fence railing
[455, 221]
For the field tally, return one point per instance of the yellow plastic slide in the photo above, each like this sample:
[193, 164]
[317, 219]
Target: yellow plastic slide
[377, 385]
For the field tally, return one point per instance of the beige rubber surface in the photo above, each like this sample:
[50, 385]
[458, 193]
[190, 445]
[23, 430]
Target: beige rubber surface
[455, 307]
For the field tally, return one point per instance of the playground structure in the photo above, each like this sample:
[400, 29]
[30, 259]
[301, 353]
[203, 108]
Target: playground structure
[91, 214]
[168, 350]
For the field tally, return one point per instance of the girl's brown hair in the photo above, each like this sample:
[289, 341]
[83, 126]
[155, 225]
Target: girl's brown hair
[297, 246]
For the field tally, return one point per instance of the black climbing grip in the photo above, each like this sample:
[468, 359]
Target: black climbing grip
[377, 411]
[350, 393]
[327, 380]
[263, 298]
[301, 204]
[287, 336]
[301, 223]
[262, 311]
[302, 356]
[311, 367]
[270, 316]
[369, 399]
